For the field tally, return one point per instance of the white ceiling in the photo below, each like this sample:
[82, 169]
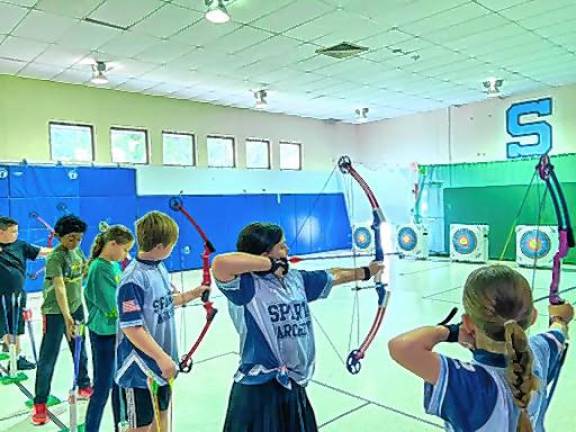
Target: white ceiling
[423, 54]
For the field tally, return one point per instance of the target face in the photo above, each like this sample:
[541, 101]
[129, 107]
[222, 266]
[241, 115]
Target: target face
[464, 241]
[407, 239]
[362, 237]
[535, 244]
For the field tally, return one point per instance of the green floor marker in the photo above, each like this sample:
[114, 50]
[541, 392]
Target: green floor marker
[19, 377]
[52, 400]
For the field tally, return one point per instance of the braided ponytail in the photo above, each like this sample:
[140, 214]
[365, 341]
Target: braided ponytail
[519, 374]
[498, 300]
[97, 247]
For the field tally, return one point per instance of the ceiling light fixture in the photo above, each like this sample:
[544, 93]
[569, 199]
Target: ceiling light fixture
[98, 76]
[217, 12]
[362, 115]
[260, 96]
[492, 87]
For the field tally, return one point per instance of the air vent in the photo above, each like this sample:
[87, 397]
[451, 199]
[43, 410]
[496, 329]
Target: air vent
[342, 50]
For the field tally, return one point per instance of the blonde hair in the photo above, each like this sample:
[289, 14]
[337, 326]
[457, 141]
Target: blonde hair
[155, 228]
[118, 233]
[499, 302]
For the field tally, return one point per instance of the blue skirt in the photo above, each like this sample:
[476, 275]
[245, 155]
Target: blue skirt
[269, 407]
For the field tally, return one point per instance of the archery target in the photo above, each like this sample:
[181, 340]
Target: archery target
[362, 238]
[535, 244]
[407, 239]
[464, 241]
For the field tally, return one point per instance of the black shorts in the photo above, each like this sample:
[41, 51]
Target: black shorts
[9, 314]
[139, 409]
[269, 407]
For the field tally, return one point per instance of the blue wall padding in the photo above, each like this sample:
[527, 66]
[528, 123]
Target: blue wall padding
[4, 182]
[47, 207]
[4, 207]
[57, 181]
[107, 181]
[312, 223]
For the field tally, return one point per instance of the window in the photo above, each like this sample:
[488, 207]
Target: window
[129, 145]
[220, 151]
[257, 153]
[71, 142]
[178, 149]
[290, 156]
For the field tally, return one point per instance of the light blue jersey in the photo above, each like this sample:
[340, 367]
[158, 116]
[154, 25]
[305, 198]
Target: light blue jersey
[144, 299]
[475, 397]
[273, 320]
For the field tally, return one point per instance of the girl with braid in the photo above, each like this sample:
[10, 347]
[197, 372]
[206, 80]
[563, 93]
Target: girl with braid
[504, 387]
[109, 248]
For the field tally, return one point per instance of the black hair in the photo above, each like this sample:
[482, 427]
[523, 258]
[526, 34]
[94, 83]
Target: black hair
[69, 224]
[258, 238]
[6, 222]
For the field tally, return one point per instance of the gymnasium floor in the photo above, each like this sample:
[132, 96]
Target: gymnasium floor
[382, 397]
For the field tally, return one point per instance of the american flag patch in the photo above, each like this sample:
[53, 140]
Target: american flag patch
[130, 306]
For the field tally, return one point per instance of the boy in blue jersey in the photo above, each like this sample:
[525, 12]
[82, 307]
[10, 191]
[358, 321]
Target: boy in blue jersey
[268, 303]
[146, 352]
[513, 371]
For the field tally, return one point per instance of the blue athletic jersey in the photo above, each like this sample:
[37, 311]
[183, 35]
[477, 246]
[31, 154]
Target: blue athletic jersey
[144, 300]
[475, 396]
[272, 318]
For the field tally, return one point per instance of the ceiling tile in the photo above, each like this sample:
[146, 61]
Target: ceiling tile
[125, 13]
[203, 32]
[168, 20]
[60, 56]
[238, 40]
[21, 49]
[553, 17]
[278, 46]
[43, 26]
[137, 85]
[292, 15]
[11, 15]
[75, 9]
[497, 5]
[247, 11]
[335, 27]
[87, 35]
[40, 71]
[26, 3]
[482, 24]
[8, 66]
[445, 19]
[163, 52]
[132, 68]
[74, 76]
[402, 12]
[128, 44]
[533, 8]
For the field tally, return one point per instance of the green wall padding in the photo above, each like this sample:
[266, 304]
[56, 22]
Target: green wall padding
[498, 206]
[492, 192]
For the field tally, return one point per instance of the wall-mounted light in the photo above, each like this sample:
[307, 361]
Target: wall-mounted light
[217, 12]
[98, 76]
[361, 115]
[492, 87]
[260, 96]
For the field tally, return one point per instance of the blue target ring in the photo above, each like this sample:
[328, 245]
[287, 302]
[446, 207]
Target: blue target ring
[535, 244]
[362, 237]
[407, 239]
[464, 241]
